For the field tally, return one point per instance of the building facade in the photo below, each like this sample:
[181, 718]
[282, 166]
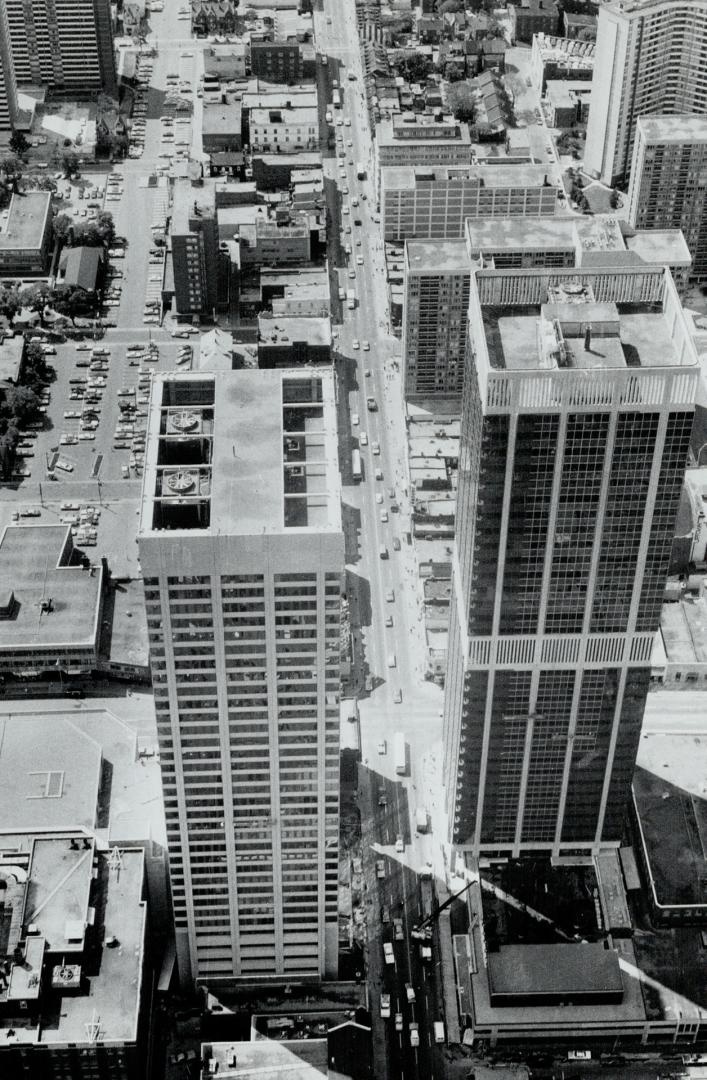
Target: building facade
[650, 58]
[8, 82]
[575, 429]
[66, 45]
[421, 204]
[242, 551]
[669, 181]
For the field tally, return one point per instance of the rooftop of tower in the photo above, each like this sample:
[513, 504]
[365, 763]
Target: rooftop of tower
[688, 127]
[241, 453]
[634, 325]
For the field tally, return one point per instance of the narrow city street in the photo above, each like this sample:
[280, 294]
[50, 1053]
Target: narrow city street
[385, 591]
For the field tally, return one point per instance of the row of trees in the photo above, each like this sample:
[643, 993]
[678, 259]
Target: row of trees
[20, 405]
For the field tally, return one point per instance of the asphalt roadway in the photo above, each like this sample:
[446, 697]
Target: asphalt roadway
[385, 593]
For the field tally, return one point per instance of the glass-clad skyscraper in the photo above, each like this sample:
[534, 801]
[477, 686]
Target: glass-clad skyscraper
[577, 413]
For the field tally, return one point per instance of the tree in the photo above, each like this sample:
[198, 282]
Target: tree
[62, 227]
[36, 298]
[455, 73]
[12, 168]
[18, 142]
[69, 162]
[9, 300]
[414, 67]
[22, 402]
[462, 101]
[448, 6]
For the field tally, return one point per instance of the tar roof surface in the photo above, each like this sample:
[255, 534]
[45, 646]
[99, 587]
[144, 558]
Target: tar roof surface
[26, 221]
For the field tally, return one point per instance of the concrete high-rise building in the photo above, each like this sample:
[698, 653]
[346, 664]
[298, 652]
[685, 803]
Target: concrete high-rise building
[8, 82]
[668, 187]
[651, 57]
[578, 406]
[242, 553]
[66, 45]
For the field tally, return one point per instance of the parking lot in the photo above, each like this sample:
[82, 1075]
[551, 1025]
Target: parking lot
[94, 425]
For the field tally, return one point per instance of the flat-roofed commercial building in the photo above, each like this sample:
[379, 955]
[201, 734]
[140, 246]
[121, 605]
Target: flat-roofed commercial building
[66, 45]
[668, 187]
[26, 234]
[422, 204]
[577, 412]
[242, 552]
[414, 139]
[287, 129]
[650, 58]
[74, 991]
[50, 611]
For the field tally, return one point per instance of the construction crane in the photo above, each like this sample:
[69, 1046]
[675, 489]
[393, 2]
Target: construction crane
[423, 931]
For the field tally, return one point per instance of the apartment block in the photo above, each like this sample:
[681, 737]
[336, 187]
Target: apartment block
[577, 412]
[242, 552]
[650, 58]
[8, 81]
[66, 45]
[437, 276]
[422, 204]
[669, 181]
[196, 258]
[276, 61]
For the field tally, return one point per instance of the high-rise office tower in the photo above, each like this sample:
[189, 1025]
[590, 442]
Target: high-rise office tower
[577, 412]
[8, 83]
[651, 57]
[242, 554]
[66, 45]
[668, 187]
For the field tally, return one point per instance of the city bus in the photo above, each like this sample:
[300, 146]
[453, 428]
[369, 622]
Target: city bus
[356, 464]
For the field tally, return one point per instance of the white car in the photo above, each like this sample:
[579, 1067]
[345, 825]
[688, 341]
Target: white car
[355, 345]
[355, 420]
[366, 346]
[379, 497]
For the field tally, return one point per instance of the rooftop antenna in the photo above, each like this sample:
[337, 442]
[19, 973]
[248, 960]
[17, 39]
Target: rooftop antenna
[93, 1027]
[115, 860]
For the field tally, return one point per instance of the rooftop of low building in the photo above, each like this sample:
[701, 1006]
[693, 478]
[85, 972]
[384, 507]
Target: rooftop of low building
[52, 598]
[24, 224]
